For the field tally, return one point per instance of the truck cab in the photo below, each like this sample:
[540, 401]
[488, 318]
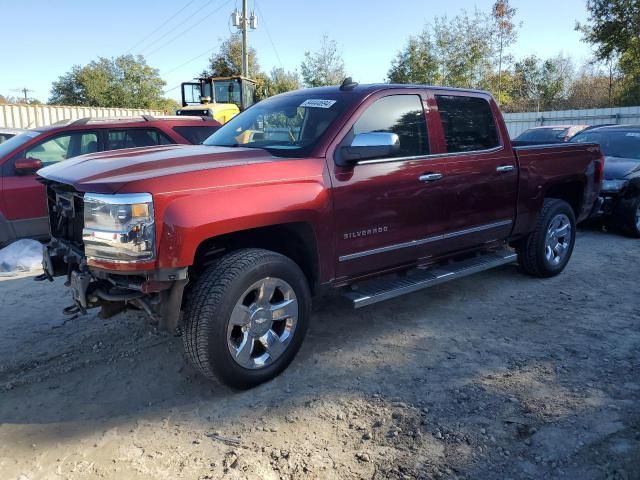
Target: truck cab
[219, 98]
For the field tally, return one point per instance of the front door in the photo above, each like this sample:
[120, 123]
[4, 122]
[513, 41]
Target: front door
[385, 210]
[23, 196]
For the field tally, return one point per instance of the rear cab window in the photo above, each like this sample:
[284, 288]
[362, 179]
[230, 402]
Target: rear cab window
[195, 134]
[468, 123]
[134, 138]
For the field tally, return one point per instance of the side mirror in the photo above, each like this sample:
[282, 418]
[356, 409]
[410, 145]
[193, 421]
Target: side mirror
[28, 165]
[371, 145]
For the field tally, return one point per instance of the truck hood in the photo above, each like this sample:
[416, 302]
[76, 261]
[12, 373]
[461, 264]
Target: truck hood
[107, 172]
[617, 168]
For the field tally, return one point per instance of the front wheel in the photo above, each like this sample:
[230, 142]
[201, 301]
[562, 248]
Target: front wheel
[246, 317]
[546, 251]
[627, 216]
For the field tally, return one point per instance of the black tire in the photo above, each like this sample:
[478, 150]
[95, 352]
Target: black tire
[625, 216]
[213, 298]
[531, 250]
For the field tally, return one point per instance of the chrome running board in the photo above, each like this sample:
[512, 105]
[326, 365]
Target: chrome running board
[380, 289]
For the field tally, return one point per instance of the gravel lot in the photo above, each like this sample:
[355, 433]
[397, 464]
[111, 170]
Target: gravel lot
[494, 376]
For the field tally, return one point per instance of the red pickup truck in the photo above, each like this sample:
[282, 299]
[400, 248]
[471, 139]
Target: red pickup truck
[377, 190]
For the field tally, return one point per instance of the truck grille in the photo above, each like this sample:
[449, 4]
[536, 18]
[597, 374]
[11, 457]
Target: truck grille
[66, 215]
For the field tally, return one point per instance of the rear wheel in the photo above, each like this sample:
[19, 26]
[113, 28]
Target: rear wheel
[546, 251]
[246, 317]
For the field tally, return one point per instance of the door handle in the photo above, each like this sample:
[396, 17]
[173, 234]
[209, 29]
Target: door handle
[430, 177]
[505, 168]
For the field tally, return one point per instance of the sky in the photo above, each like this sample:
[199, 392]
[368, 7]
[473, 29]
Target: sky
[43, 39]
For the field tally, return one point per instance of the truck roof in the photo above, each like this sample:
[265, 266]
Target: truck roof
[375, 87]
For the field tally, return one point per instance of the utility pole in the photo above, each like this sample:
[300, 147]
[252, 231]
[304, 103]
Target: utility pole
[243, 22]
[245, 48]
[24, 91]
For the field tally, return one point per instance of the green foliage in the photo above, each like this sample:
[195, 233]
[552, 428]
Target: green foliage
[124, 82]
[278, 81]
[416, 63]
[283, 81]
[613, 27]
[541, 84]
[324, 66]
[227, 62]
[455, 52]
[505, 34]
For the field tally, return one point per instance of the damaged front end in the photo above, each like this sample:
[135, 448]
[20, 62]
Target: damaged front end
[89, 232]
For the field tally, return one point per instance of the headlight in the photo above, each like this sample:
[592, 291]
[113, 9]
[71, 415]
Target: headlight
[119, 227]
[613, 185]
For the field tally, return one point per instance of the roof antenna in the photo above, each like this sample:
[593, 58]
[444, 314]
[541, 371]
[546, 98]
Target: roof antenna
[348, 84]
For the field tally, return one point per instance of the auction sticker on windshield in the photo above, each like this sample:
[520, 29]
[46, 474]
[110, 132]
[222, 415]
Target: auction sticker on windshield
[317, 103]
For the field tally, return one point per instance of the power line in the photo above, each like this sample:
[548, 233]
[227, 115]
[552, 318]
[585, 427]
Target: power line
[202, 19]
[209, 50]
[162, 25]
[275, 50]
[185, 20]
[171, 89]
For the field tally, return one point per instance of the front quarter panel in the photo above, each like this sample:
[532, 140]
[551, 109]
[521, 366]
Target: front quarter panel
[242, 198]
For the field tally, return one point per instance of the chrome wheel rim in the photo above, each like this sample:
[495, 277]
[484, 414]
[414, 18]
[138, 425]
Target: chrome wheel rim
[558, 239]
[262, 323]
[638, 218]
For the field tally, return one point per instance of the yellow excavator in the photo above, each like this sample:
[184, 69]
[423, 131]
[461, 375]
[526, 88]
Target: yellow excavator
[220, 98]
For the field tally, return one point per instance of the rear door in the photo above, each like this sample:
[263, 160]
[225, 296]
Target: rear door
[195, 134]
[117, 139]
[480, 187]
[385, 212]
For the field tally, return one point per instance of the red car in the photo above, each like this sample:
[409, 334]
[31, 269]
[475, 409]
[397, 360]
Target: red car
[377, 190]
[23, 208]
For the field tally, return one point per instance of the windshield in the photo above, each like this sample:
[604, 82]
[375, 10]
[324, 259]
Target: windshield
[286, 126]
[544, 135]
[613, 143]
[16, 142]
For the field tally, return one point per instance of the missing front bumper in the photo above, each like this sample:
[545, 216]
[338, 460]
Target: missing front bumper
[158, 292]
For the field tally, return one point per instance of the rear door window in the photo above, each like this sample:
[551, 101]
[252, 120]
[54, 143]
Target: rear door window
[195, 134]
[468, 123]
[399, 114]
[135, 137]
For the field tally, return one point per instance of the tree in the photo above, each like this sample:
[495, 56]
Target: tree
[125, 82]
[542, 84]
[416, 63]
[455, 52]
[592, 88]
[505, 33]
[613, 27]
[283, 81]
[323, 67]
[227, 61]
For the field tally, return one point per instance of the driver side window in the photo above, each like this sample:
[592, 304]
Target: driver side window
[63, 147]
[399, 114]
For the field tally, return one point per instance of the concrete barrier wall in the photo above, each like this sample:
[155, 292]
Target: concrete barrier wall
[32, 116]
[519, 122]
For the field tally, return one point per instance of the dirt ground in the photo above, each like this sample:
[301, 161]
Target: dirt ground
[494, 376]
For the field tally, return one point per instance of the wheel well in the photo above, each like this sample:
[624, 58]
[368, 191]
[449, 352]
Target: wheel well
[571, 193]
[294, 240]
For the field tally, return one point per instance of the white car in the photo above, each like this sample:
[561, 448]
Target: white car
[7, 133]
